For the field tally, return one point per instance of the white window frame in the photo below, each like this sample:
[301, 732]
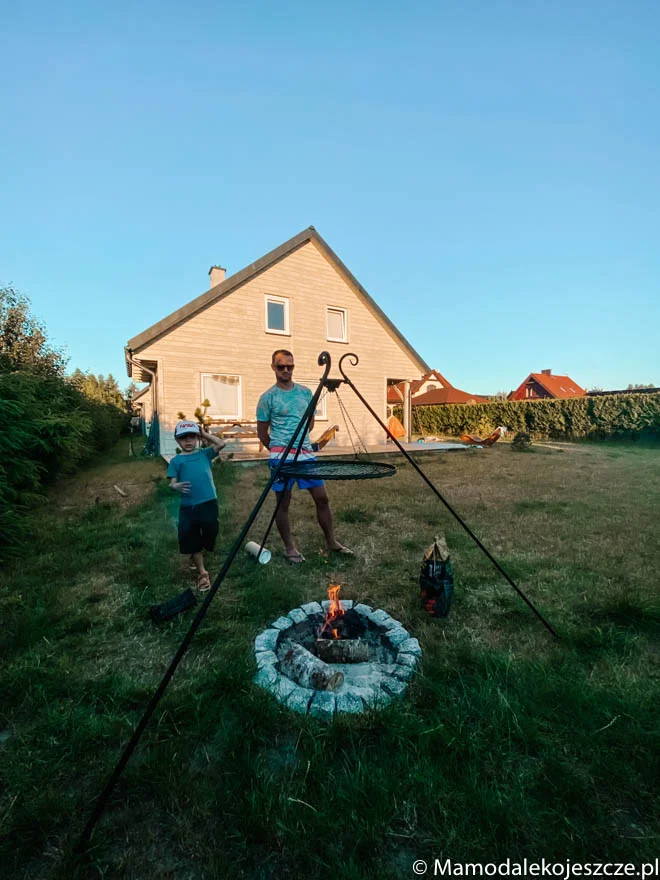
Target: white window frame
[215, 415]
[281, 300]
[327, 323]
[321, 412]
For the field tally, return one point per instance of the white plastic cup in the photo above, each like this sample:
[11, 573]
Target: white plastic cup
[253, 549]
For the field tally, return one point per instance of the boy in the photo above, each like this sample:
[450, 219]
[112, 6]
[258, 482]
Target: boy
[190, 475]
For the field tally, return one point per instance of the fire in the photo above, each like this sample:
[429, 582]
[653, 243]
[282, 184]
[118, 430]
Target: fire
[334, 612]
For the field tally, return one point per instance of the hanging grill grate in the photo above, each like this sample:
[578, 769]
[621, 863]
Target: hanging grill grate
[337, 470]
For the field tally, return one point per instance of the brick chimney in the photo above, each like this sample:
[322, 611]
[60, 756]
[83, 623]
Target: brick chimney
[216, 275]
[543, 372]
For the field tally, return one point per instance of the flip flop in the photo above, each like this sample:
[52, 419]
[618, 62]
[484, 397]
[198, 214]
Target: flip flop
[203, 582]
[294, 558]
[345, 551]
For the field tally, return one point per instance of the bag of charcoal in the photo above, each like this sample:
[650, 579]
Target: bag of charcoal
[436, 579]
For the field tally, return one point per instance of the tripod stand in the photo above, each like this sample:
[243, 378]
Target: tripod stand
[285, 469]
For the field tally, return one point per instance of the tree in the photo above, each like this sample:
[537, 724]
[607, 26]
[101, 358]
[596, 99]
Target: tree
[23, 341]
[640, 387]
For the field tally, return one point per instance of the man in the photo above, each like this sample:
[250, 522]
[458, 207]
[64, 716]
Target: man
[279, 412]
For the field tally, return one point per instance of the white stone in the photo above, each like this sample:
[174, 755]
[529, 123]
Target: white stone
[410, 646]
[267, 640]
[396, 636]
[349, 703]
[266, 658]
[266, 677]
[404, 659]
[297, 615]
[299, 699]
[282, 623]
[379, 616]
[312, 608]
[323, 705]
[282, 688]
[346, 604]
[405, 673]
[376, 698]
[364, 610]
[394, 686]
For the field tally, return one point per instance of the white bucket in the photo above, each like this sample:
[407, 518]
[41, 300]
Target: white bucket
[253, 548]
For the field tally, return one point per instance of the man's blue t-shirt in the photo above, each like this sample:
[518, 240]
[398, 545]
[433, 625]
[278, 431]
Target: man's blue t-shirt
[194, 468]
[284, 410]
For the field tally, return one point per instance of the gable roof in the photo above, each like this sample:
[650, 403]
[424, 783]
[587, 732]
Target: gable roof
[556, 386]
[447, 395]
[395, 392]
[229, 285]
[427, 377]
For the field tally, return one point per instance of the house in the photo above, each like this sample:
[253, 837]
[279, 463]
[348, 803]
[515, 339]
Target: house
[541, 385]
[300, 297]
[431, 389]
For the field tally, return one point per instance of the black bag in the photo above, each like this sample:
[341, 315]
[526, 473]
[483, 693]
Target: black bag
[161, 613]
[436, 579]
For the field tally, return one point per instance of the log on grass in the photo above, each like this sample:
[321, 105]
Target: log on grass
[303, 667]
[343, 650]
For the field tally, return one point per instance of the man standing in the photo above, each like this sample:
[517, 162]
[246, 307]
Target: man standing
[279, 412]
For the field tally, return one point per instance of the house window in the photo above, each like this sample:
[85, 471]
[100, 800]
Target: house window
[337, 324]
[431, 387]
[224, 394]
[321, 412]
[277, 315]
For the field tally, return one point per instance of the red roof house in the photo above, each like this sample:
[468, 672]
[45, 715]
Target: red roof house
[538, 386]
[431, 389]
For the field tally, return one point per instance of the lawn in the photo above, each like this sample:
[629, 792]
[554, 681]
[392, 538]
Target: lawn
[508, 744]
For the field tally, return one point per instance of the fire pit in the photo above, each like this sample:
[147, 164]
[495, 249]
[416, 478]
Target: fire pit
[335, 656]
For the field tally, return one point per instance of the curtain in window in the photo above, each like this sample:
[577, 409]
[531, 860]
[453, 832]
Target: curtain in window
[223, 393]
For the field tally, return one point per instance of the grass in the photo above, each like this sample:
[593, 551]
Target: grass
[508, 744]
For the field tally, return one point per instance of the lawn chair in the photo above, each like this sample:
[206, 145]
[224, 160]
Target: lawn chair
[488, 441]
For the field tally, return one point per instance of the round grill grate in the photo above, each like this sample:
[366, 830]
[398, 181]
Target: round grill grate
[338, 470]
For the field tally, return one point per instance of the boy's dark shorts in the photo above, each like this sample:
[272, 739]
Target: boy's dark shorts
[198, 527]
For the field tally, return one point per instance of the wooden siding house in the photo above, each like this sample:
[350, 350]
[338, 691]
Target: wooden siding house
[300, 297]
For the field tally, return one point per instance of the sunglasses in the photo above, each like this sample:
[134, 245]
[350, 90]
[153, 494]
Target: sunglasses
[284, 366]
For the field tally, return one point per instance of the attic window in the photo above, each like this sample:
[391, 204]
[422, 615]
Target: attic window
[277, 315]
[337, 324]
[431, 387]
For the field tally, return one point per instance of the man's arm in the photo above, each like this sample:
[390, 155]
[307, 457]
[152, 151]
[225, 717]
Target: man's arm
[263, 433]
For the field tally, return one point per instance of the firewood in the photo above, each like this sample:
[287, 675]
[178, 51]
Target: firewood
[303, 667]
[342, 650]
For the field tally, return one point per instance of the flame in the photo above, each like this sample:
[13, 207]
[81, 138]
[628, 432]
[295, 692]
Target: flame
[334, 612]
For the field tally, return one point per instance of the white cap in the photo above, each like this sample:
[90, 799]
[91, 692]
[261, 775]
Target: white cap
[186, 427]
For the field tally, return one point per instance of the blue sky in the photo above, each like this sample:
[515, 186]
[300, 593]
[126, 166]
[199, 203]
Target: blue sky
[489, 171]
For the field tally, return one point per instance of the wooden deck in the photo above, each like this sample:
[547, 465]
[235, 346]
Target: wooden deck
[248, 450]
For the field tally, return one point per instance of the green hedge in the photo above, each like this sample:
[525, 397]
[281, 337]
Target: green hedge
[629, 416]
[48, 429]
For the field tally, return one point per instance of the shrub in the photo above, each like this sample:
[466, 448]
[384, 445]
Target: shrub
[628, 416]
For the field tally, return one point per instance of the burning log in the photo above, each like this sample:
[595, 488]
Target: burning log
[302, 666]
[342, 650]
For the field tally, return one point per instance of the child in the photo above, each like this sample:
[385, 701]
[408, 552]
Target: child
[190, 474]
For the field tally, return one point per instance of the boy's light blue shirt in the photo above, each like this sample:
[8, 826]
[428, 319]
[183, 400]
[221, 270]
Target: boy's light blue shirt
[284, 409]
[194, 468]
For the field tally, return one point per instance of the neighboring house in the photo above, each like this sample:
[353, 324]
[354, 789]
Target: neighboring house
[432, 389]
[142, 404]
[300, 297]
[540, 385]
[433, 397]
